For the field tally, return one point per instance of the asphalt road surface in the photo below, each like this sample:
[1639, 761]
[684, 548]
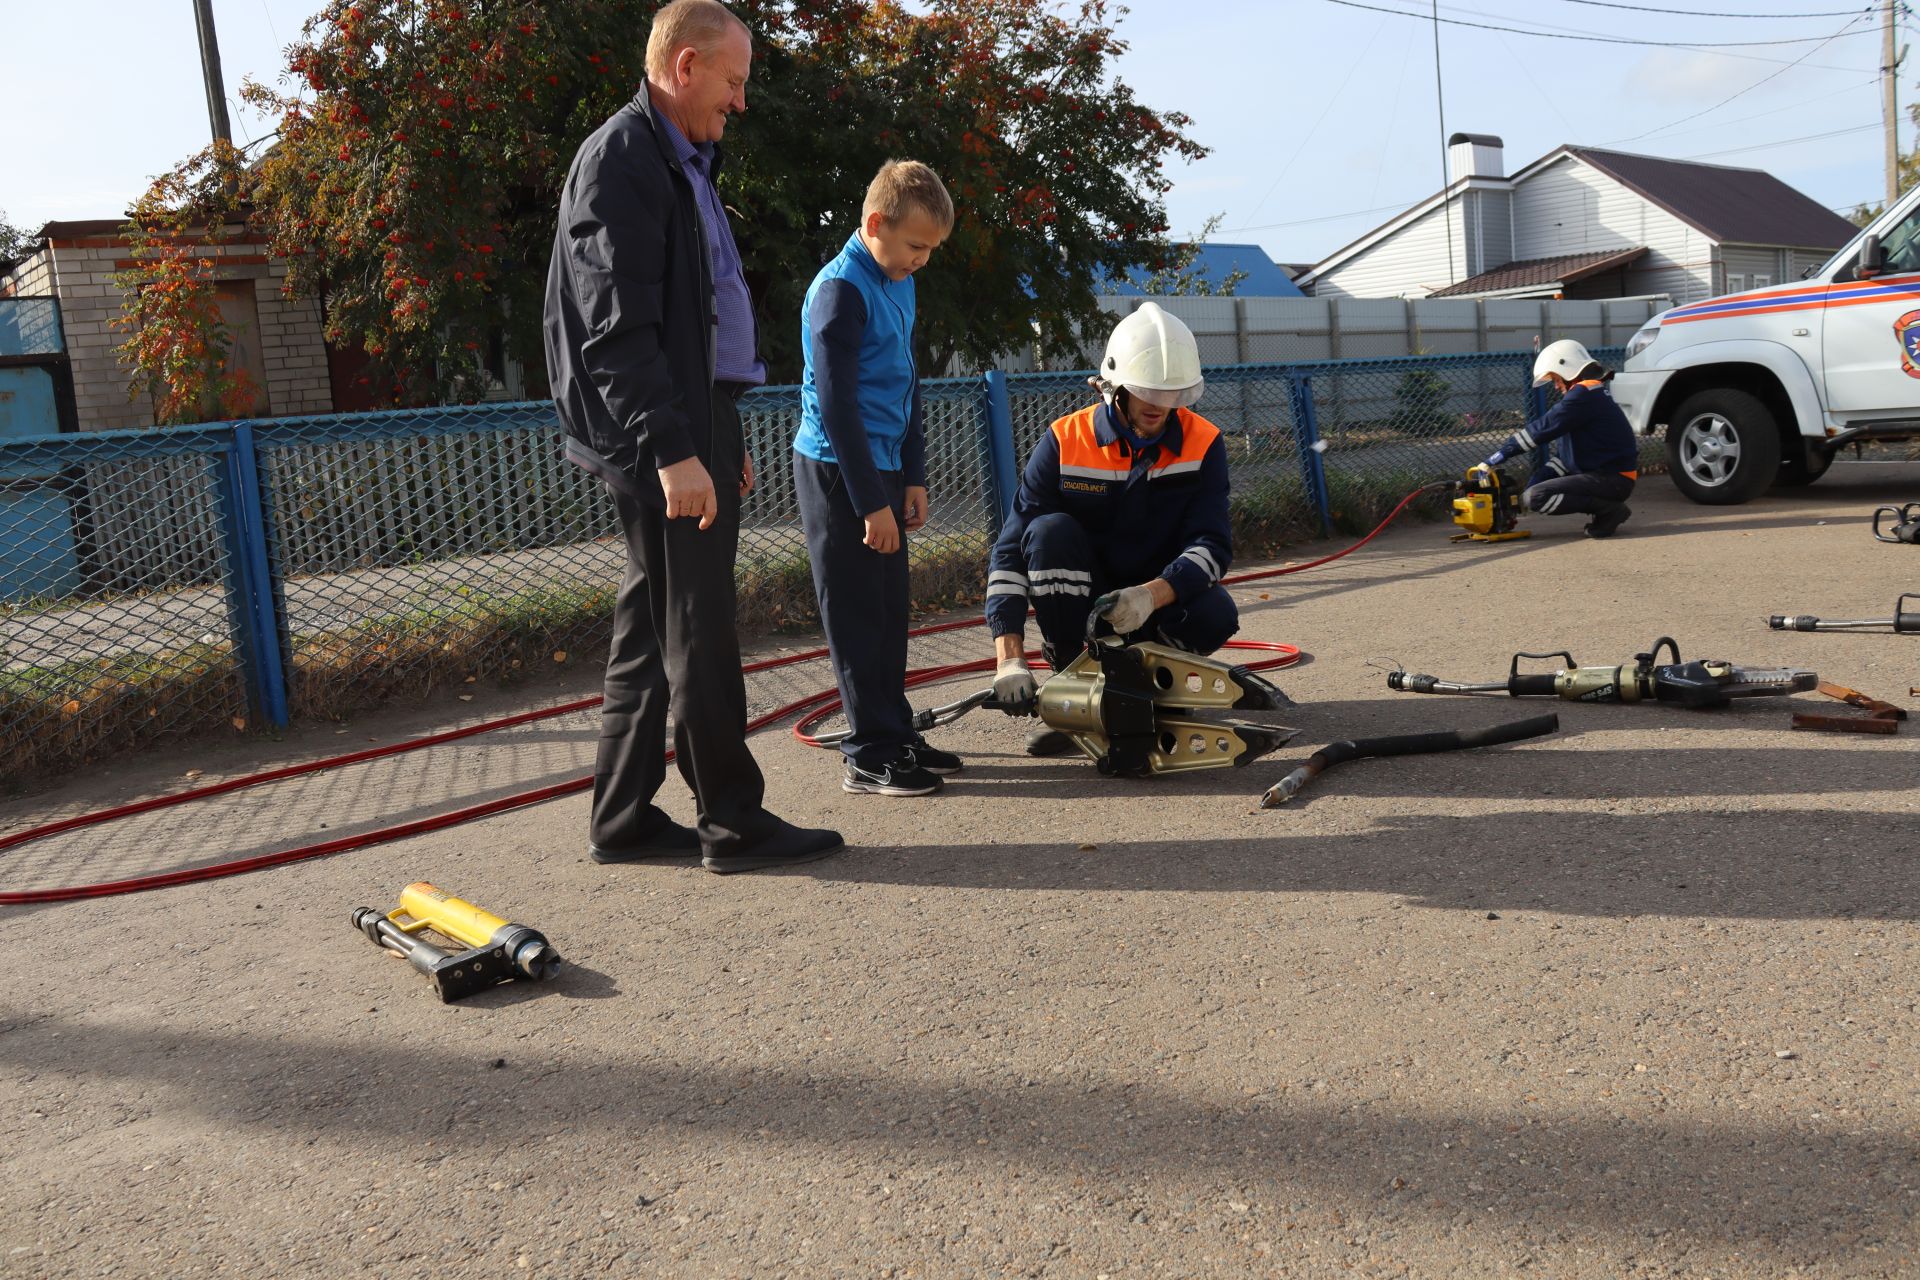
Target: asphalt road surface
[1633, 1000]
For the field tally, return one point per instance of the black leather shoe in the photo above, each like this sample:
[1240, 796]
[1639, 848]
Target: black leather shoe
[1048, 742]
[663, 838]
[784, 846]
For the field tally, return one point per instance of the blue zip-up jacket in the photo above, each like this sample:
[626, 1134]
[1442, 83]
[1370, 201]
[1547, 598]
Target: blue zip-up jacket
[1586, 431]
[860, 401]
[1159, 513]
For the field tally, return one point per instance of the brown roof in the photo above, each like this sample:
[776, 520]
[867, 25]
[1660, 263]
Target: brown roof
[1537, 272]
[1732, 206]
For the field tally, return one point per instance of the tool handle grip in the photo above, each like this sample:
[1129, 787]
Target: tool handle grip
[1519, 686]
[1903, 622]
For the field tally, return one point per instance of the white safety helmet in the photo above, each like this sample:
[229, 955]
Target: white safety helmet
[1566, 357]
[1153, 355]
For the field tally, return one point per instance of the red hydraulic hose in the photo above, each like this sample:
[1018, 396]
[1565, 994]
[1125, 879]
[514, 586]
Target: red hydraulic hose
[819, 706]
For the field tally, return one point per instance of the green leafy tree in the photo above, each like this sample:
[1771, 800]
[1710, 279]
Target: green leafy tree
[177, 341]
[13, 240]
[1176, 271]
[423, 143]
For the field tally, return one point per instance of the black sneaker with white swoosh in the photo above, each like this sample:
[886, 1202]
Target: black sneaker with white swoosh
[898, 777]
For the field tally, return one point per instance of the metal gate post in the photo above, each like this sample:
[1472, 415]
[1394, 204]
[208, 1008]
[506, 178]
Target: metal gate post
[252, 600]
[1306, 434]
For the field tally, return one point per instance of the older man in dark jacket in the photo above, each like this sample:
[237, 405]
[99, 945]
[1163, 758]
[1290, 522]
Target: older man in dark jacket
[650, 339]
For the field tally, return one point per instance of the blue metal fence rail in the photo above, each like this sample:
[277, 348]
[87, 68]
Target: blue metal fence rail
[266, 569]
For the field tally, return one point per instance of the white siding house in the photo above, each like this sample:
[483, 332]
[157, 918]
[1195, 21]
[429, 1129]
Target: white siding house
[1584, 223]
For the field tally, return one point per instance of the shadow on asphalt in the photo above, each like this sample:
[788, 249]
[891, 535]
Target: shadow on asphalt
[1614, 865]
[1770, 1190]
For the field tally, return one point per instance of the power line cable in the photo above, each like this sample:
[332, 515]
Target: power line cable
[1393, 114]
[1771, 75]
[1719, 46]
[1545, 97]
[1704, 13]
[1330, 217]
[1365, 49]
[1783, 142]
[1758, 115]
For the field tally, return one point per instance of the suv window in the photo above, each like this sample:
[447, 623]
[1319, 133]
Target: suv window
[1900, 245]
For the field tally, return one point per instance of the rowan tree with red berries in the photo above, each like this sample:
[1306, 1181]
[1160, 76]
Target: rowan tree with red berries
[422, 146]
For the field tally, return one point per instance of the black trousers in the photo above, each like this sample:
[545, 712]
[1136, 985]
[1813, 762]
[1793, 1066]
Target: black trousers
[1582, 493]
[863, 608]
[1066, 575]
[675, 649]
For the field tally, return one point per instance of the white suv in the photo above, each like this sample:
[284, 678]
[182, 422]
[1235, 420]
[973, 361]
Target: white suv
[1764, 387]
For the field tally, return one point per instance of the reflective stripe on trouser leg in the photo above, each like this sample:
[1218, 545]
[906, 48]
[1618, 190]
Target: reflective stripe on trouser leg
[1586, 493]
[1063, 577]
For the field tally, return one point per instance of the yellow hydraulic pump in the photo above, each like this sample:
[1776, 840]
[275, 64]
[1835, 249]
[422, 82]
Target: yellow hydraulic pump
[1487, 508]
[492, 950]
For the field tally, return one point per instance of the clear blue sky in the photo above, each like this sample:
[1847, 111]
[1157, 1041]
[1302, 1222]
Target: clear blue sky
[1321, 118]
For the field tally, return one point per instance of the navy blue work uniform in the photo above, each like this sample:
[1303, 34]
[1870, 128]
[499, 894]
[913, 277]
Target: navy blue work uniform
[1099, 509]
[1592, 460]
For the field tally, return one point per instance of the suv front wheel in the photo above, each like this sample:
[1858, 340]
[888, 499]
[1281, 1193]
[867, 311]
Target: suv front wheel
[1723, 447]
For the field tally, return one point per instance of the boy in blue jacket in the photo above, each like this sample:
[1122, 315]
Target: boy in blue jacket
[1593, 459]
[860, 470]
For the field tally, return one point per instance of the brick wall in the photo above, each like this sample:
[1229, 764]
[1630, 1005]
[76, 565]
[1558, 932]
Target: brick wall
[79, 270]
[32, 277]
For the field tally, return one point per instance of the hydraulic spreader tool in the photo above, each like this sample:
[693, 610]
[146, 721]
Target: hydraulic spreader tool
[484, 948]
[1488, 507]
[1902, 622]
[1141, 709]
[1905, 526]
[1698, 684]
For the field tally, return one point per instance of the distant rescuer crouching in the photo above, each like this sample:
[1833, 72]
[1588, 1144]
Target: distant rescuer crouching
[650, 339]
[1122, 511]
[1593, 459]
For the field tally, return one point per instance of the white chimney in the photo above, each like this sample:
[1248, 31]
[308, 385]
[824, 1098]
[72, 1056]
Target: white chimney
[1475, 155]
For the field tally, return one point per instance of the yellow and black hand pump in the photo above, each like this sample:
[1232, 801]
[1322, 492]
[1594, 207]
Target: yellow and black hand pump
[495, 950]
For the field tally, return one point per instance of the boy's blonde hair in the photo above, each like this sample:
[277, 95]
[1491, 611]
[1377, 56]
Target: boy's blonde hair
[906, 186]
[699, 24]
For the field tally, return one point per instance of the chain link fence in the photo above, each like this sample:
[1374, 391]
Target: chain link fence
[122, 601]
[242, 574]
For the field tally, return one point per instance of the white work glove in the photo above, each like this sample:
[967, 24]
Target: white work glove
[1126, 610]
[1013, 687]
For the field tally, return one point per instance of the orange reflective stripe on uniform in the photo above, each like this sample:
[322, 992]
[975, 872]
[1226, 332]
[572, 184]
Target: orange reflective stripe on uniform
[1082, 455]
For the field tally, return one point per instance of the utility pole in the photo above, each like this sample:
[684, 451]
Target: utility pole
[1890, 87]
[1446, 178]
[210, 71]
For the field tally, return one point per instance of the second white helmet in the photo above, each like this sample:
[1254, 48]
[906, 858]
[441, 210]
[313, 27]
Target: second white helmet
[1153, 355]
[1566, 357]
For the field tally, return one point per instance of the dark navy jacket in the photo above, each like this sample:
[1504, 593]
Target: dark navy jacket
[1585, 431]
[860, 401]
[630, 313]
[1159, 514]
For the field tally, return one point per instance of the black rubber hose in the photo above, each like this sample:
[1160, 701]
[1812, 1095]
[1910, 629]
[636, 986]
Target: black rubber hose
[1406, 744]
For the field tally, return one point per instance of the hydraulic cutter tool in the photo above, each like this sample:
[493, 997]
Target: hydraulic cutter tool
[1142, 709]
[486, 948]
[1697, 684]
